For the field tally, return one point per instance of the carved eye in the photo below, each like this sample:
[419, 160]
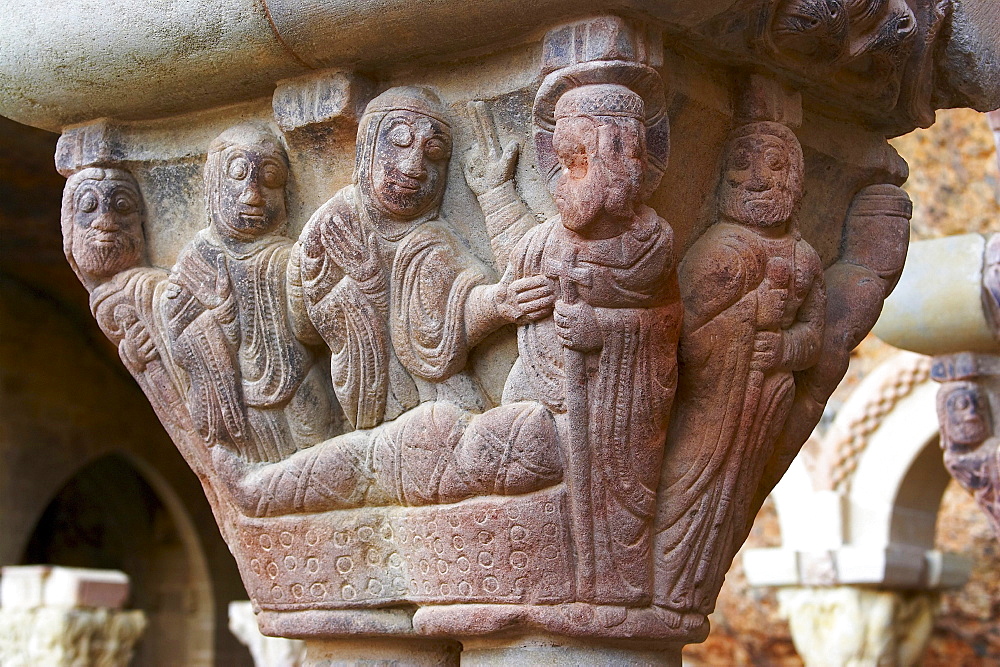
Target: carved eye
[776, 160]
[273, 175]
[435, 149]
[401, 135]
[88, 203]
[238, 169]
[741, 161]
[124, 204]
[963, 403]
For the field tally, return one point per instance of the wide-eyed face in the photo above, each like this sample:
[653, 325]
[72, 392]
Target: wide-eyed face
[601, 173]
[107, 227]
[251, 196]
[758, 187]
[410, 163]
[966, 415]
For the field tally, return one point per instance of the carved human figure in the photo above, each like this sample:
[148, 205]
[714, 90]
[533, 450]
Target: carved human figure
[603, 366]
[875, 239]
[754, 306]
[102, 220]
[235, 321]
[971, 445]
[400, 301]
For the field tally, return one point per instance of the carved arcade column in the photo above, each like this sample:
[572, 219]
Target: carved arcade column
[59, 616]
[502, 336]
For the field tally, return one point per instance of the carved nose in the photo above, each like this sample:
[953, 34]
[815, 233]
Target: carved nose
[105, 223]
[251, 195]
[756, 183]
[413, 164]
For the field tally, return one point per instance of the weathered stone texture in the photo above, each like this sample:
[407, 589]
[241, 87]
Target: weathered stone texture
[954, 183]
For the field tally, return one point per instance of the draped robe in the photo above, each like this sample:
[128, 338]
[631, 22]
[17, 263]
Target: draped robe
[631, 283]
[729, 410]
[391, 310]
[253, 384]
[129, 300]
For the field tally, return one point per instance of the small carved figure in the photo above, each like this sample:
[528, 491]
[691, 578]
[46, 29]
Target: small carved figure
[235, 321]
[876, 235]
[102, 219]
[971, 447]
[754, 306]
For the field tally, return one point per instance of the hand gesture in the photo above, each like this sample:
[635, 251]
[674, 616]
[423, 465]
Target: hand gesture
[525, 299]
[136, 347]
[772, 294]
[486, 164]
[576, 324]
[766, 351]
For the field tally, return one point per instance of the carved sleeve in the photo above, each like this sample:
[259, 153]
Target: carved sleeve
[298, 316]
[507, 220]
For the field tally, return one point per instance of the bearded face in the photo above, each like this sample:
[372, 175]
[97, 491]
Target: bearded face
[107, 227]
[250, 201]
[966, 415]
[759, 188]
[602, 173]
[410, 163]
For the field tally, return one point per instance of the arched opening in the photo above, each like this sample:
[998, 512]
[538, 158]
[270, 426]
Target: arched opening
[109, 516]
[918, 499]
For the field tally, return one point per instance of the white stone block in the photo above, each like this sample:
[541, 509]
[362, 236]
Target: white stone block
[771, 567]
[31, 586]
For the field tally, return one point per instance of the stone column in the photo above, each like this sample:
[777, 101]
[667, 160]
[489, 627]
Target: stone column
[66, 616]
[491, 322]
[266, 651]
[848, 625]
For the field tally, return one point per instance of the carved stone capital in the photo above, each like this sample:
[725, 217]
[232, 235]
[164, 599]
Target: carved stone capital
[523, 355]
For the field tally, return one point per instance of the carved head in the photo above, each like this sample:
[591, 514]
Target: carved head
[600, 141]
[245, 177]
[762, 175]
[102, 215]
[877, 231]
[813, 29]
[404, 145]
[964, 413]
[879, 25]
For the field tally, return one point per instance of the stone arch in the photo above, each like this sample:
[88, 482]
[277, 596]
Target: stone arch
[117, 512]
[860, 504]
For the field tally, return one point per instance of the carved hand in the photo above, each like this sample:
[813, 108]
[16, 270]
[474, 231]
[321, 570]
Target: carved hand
[770, 305]
[577, 326]
[766, 351]
[136, 348]
[526, 299]
[486, 164]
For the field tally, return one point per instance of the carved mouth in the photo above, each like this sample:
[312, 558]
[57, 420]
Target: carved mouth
[409, 187]
[103, 238]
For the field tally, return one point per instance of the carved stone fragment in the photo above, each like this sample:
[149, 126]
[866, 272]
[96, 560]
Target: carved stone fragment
[967, 402]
